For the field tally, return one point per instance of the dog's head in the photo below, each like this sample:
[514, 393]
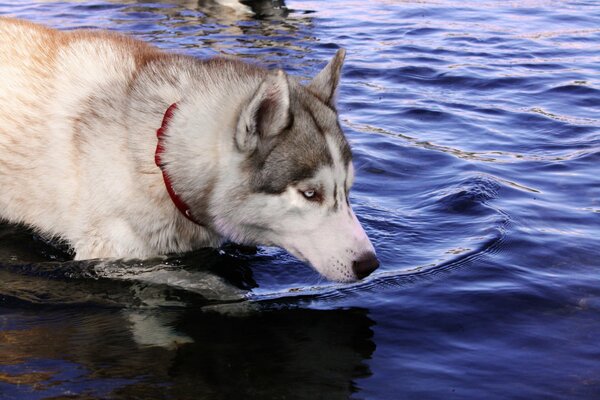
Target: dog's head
[296, 171]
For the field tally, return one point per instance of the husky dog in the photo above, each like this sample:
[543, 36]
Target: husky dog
[242, 154]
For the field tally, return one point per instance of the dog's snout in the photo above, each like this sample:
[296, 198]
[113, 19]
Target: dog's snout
[366, 264]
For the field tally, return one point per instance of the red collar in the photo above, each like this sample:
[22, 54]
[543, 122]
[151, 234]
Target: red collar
[160, 148]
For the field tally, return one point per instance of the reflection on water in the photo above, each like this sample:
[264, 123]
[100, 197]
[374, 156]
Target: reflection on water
[153, 329]
[41, 272]
[199, 354]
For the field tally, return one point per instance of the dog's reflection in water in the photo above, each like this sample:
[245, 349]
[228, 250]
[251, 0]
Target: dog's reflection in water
[284, 353]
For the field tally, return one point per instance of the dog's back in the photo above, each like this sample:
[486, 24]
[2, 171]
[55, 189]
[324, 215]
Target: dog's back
[46, 78]
[39, 66]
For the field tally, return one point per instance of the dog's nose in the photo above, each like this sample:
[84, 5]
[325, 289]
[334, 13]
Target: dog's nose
[366, 264]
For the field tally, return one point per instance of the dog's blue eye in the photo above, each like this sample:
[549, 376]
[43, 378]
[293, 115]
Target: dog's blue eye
[309, 194]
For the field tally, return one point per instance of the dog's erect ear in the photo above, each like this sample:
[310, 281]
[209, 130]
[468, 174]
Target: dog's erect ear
[324, 85]
[266, 114]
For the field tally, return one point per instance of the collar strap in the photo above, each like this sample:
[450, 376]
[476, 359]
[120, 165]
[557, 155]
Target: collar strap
[160, 148]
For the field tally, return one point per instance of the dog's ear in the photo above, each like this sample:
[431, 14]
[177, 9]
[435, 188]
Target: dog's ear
[266, 114]
[325, 84]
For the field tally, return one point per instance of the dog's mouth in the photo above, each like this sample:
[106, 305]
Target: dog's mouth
[340, 269]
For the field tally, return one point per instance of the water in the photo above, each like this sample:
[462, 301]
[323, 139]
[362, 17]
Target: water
[475, 129]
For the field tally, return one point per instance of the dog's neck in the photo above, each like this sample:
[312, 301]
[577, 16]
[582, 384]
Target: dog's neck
[160, 133]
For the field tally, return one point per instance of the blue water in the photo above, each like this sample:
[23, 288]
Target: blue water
[475, 128]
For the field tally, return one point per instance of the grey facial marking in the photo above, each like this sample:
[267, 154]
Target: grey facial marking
[346, 150]
[315, 123]
[321, 102]
[332, 127]
[301, 149]
[335, 197]
[296, 154]
[346, 191]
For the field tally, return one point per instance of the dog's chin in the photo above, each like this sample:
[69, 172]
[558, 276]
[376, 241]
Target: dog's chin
[336, 272]
[335, 275]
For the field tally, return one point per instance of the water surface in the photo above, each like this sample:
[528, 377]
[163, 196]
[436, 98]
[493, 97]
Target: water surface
[476, 136]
